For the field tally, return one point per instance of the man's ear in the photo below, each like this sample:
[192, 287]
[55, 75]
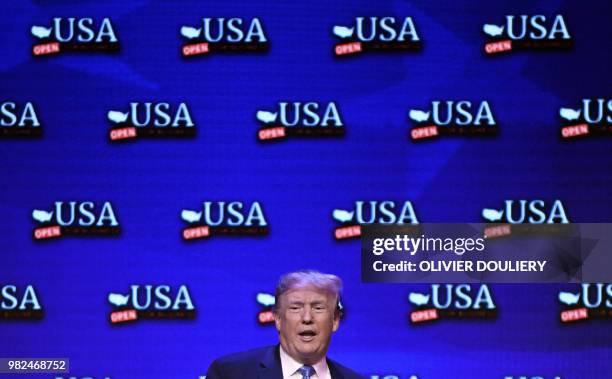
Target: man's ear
[277, 320]
[336, 324]
[337, 315]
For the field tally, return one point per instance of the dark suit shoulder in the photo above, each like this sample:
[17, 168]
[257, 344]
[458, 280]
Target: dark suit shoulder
[345, 372]
[249, 356]
[238, 365]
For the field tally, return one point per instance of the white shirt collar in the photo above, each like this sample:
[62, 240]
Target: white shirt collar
[290, 367]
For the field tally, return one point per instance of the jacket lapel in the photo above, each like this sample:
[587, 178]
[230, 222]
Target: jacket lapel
[333, 370]
[270, 365]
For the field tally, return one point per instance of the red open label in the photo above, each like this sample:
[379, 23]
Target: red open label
[123, 133]
[347, 232]
[574, 315]
[575, 131]
[196, 49]
[348, 48]
[48, 232]
[424, 315]
[123, 316]
[424, 132]
[46, 48]
[197, 232]
[498, 47]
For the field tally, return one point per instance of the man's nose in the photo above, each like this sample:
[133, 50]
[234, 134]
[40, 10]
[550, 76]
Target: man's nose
[307, 316]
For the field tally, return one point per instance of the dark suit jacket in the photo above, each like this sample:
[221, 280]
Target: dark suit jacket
[264, 363]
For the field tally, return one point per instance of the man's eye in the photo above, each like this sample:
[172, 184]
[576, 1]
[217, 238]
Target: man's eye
[319, 308]
[294, 308]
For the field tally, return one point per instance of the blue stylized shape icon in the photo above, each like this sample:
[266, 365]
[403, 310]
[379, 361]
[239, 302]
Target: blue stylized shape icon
[418, 116]
[42, 216]
[342, 215]
[189, 32]
[569, 298]
[266, 117]
[492, 214]
[569, 114]
[493, 30]
[265, 299]
[118, 299]
[343, 31]
[117, 117]
[40, 31]
[191, 216]
[418, 298]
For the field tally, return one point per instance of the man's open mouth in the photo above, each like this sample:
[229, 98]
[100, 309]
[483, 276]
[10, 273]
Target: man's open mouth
[307, 335]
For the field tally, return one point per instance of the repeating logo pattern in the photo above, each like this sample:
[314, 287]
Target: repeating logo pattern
[593, 118]
[77, 35]
[221, 218]
[453, 118]
[19, 120]
[300, 119]
[372, 212]
[527, 32]
[19, 303]
[76, 219]
[151, 302]
[526, 217]
[590, 302]
[453, 302]
[224, 35]
[376, 34]
[153, 120]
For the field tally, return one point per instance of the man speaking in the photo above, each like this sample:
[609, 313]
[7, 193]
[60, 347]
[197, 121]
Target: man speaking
[306, 313]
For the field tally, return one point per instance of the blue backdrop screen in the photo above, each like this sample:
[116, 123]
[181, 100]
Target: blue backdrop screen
[297, 182]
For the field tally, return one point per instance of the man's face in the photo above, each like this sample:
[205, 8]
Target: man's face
[305, 320]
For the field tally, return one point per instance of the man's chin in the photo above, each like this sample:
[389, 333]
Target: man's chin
[310, 356]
